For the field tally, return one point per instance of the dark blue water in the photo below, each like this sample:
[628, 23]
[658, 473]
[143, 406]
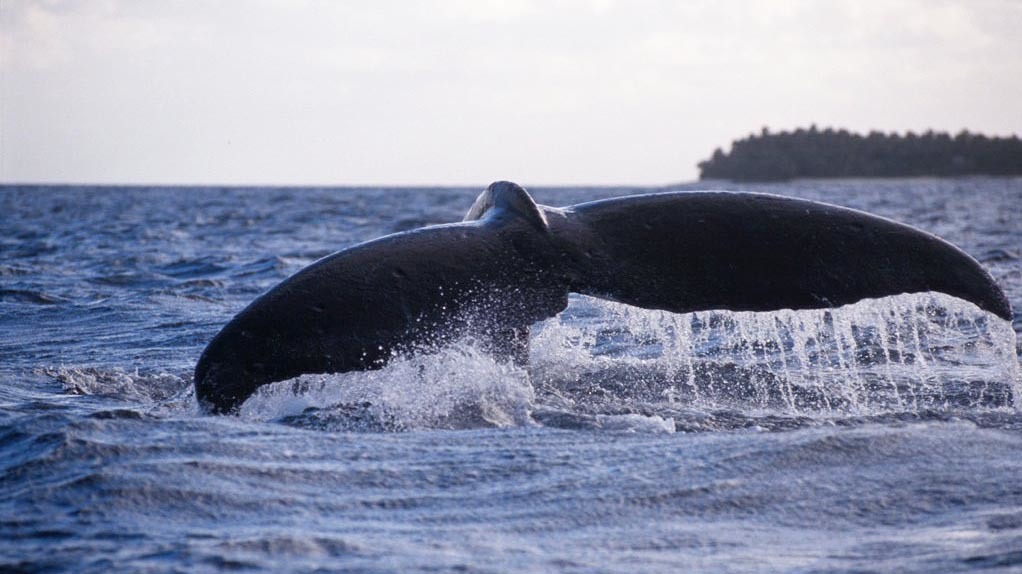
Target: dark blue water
[884, 436]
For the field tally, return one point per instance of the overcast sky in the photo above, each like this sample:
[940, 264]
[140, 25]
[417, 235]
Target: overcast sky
[466, 92]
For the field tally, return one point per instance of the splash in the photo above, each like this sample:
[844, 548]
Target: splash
[455, 387]
[606, 366]
[911, 353]
[135, 386]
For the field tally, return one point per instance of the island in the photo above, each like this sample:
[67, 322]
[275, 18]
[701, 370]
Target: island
[830, 153]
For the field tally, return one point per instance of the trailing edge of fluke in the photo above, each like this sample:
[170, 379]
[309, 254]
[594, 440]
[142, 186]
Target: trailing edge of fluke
[512, 262]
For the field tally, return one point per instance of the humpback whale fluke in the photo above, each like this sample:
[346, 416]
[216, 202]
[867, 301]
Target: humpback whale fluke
[512, 262]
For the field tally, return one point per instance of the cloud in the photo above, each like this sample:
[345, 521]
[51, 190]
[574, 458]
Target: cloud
[309, 91]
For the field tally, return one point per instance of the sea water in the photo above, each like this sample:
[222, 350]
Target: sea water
[881, 436]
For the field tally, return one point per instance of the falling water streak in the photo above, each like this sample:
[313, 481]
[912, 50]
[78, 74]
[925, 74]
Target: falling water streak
[846, 345]
[747, 342]
[687, 349]
[801, 340]
[908, 310]
[986, 384]
[702, 342]
[824, 327]
[661, 333]
[670, 354]
[899, 344]
[881, 322]
[818, 380]
[759, 353]
[788, 371]
[921, 329]
[1001, 332]
[938, 326]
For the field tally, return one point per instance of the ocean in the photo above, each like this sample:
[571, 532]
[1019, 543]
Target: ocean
[884, 436]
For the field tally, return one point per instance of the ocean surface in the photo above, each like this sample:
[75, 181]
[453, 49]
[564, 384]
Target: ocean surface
[884, 436]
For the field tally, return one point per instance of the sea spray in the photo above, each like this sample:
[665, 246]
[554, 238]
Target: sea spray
[458, 386]
[910, 353]
[907, 354]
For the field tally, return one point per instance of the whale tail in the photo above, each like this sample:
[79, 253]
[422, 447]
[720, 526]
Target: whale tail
[513, 262]
[692, 251]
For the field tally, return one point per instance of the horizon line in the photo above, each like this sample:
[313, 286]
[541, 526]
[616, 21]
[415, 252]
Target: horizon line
[333, 185]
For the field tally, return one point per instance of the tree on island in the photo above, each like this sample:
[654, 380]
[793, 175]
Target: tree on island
[808, 153]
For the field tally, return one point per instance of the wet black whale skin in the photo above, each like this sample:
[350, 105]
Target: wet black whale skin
[515, 262]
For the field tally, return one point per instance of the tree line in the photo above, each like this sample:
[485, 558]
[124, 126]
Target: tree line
[807, 153]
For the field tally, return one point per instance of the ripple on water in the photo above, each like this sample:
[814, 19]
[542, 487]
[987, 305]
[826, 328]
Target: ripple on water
[879, 437]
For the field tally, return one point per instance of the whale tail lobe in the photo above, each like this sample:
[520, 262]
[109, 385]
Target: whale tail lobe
[697, 251]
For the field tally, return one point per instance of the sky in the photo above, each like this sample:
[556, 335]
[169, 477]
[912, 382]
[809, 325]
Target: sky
[464, 92]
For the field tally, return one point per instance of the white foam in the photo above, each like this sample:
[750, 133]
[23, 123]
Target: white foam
[636, 423]
[456, 387]
[116, 381]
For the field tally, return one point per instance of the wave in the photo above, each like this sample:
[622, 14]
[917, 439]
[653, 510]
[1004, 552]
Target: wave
[30, 296]
[606, 366]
